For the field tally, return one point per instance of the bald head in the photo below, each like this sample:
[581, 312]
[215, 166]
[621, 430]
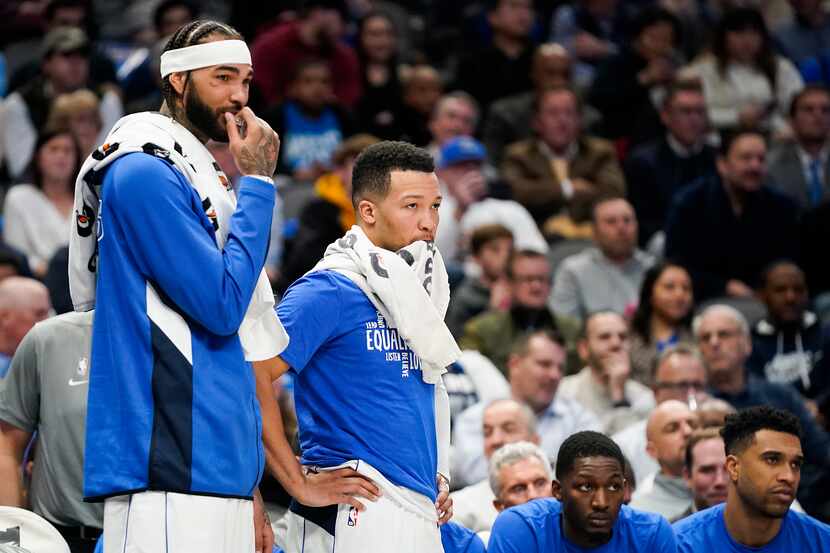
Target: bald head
[551, 66]
[506, 421]
[23, 302]
[667, 431]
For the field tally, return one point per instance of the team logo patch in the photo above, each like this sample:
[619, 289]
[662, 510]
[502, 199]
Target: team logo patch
[84, 221]
[352, 521]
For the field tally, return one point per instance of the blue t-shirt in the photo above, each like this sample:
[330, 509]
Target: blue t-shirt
[457, 539]
[309, 140]
[536, 526]
[706, 530]
[358, 389]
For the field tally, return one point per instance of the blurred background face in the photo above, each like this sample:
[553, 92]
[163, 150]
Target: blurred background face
[513, 18]
[669, 427]
[685, 117]
[67, 71]
[530, 282]
[57, 158]
[678, 377]
[551, 67]
[557, 120]
[723, 345]
[707, 477]
[453, 117]
[535, 376]
[313, 87]
[744, 166]
[173, 18]
[86, 125]
[328, 24]
[378, 39]
[743, 46]
[671, 297]
[656, 41]
[615, 228]
[521, 482]
[493, 257]
[423, 89]
[504, 423]
[785, 294]
[811, 119]
[457, 175]
[606, 336]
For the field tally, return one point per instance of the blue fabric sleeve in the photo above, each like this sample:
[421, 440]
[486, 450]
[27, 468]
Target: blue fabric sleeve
[511, 534]
[664, 540]
[476, 546]
[159, 212]
[310, 313]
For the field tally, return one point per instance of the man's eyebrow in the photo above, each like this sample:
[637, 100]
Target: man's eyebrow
[233, 69]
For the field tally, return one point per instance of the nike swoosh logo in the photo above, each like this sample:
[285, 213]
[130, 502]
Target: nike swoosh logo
[73, 382]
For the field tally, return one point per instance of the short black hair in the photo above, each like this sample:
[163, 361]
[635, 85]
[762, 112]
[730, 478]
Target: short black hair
[521, 345]
[763, 279]
[812, 88]
[652, 16]
[729, 137]
[373, 167]
[741, 427]
[306, 6]
[191, 34]
[586, 444]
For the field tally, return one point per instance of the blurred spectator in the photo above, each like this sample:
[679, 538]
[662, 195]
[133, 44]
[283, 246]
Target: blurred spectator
[662, 319]
[23, 302]
[628, 87]
[592, 31]
[508, 58]
[316, 34]
[657, 170]
[511, 119]
[745, 82]
[705, 470]
[606, 277]
[65, 69]
[791, 345]
[45, 393]
[12, 263]
[519, 473]
[79, 112]
[800, 168]
[169, 15]
[473, 379]
[561, 171]
[807, 35]
[678, 374]
[693, 24]
[669, 427]
[724, 340]
[38, 215]
[726, 250]
[378, 110]
[422, 88]
[309, 122]
[490, 248]
[464, 206]
[503, 422]
[328, 216]
[604, 386]
[713, 411]
[455, 114]
[493, 333]
[535, 369]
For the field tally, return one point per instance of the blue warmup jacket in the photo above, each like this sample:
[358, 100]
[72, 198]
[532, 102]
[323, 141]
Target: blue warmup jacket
[156, 421]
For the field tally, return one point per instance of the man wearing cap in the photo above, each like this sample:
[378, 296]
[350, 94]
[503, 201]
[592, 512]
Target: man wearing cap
[465, 208]
[174, 269]
[65, 68]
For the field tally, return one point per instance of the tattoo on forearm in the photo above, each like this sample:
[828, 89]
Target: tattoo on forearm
[263, 161]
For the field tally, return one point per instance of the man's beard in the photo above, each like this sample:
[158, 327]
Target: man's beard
[203, 117]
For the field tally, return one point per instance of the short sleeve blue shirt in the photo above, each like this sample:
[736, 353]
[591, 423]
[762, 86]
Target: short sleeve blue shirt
[358, 389]
[706, 531]
[536, 526]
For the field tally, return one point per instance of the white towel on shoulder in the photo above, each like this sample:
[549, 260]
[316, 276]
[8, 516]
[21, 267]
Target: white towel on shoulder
[410, 288]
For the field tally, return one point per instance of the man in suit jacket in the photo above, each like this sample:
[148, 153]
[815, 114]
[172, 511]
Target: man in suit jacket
[561, 169]
[800, 169]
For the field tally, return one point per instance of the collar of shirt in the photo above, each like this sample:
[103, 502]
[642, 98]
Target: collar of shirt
[570, 152]
[682, 151]
[807, 159]
[767, 328]
[638, 258]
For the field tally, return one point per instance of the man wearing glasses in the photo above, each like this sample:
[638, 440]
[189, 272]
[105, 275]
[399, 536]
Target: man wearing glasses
[723, 337]
[679, 375]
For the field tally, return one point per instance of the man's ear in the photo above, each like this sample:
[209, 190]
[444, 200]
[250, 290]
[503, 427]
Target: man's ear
[178, 80]
[556, 489]
[367, 211]
[499, 506]
[733, 467]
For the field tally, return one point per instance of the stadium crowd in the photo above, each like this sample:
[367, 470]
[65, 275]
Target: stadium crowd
[635, 198]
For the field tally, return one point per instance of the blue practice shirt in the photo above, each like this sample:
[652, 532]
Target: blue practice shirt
[457, 539]
[537, 526]
[706, 531]
[358, 389]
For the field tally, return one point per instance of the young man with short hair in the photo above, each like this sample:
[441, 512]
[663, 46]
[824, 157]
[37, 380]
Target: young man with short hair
[588, 512]
[763, 461]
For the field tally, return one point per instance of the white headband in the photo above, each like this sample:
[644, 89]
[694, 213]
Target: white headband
[218, 52]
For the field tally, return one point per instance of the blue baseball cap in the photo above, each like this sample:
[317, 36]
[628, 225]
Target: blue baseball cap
[459, 149]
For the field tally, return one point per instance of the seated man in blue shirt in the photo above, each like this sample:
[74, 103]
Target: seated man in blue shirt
[589, 514]
[763, 462]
